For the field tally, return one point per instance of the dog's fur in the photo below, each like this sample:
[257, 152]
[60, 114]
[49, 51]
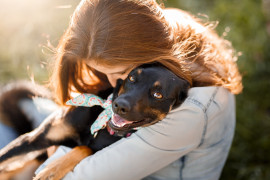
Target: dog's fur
[10, 112]
[144, 98]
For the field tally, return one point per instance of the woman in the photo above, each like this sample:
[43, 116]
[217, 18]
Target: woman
[105, 40]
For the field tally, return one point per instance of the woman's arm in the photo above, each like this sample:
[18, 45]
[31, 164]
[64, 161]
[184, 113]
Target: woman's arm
[147, 150]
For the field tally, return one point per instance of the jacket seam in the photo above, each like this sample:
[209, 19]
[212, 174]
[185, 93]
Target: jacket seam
[212, 98]
[204, 109]
[183, 160]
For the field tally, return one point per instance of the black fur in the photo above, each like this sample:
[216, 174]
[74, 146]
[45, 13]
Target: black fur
[10, 113]
[72, 124]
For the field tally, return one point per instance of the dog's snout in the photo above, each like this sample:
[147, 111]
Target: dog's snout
[121, 107]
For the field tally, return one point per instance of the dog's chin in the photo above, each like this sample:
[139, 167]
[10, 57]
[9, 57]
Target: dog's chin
[122, 126]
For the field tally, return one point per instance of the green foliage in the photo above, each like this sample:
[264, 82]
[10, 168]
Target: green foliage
[26, 29]
[249, 157]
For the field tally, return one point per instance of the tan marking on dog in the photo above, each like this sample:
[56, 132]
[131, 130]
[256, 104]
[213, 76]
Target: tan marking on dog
[171, 106]
[59, 131]
[139, 71]
[121, 90]
[26, 171]
[159, 114]
[157, 84]
[18, 162]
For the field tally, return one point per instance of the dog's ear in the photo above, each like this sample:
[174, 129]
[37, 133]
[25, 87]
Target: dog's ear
[182, 89]
[119, 83]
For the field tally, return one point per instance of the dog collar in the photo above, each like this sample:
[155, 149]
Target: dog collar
[89, 100]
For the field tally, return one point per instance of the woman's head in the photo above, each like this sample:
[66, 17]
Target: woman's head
[112, 72]
[108, 38]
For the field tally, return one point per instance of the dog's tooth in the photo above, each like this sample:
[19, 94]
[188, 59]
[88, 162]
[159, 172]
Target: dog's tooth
[115, 124]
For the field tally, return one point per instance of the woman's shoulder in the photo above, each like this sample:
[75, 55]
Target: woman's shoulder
[207, 101]
[203, 97]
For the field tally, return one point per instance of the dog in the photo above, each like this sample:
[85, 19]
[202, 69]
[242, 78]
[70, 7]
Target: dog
[145, 97]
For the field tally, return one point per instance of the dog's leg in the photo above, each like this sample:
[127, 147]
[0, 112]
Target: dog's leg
[65, 127]
[26, 171]
[60, 167]
[21, 145]
[54, 131]
[33, 141]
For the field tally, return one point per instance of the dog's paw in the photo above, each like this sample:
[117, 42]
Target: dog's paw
[60, 167]
[46, 177]
[46, 174]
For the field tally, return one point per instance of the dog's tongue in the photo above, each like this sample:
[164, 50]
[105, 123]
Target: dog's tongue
[110, 130]
[118, 121]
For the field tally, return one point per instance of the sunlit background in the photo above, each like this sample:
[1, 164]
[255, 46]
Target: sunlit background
[30, 29]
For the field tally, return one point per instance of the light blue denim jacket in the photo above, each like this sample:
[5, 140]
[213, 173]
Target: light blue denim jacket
[191, 143]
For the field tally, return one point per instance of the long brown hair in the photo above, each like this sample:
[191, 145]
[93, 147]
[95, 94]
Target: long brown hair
[126, 32]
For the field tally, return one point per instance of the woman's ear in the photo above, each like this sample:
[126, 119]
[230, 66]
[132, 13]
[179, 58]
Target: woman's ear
[119, 83]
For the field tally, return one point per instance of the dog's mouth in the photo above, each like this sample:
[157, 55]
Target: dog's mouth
[119, 124]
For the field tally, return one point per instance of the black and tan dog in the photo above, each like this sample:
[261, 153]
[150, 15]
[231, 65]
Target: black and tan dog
[144, 98]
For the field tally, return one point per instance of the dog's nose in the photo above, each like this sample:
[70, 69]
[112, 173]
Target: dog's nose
[121, 106]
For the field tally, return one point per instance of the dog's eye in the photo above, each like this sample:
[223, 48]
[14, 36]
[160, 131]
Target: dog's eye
[158, 95]
[131, 78]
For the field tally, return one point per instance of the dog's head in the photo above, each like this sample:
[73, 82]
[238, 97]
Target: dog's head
[146, 97]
